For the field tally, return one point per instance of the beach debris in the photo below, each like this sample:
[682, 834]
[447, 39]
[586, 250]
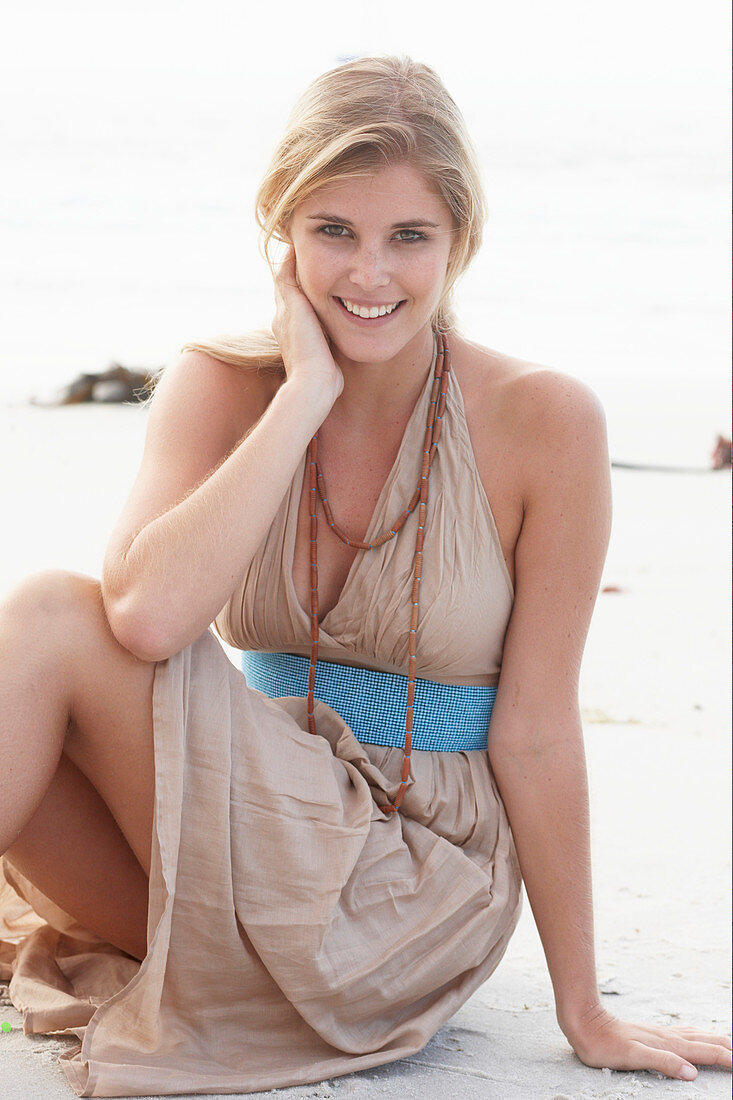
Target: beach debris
[612, 588]
[722, 455]
[116, 384]
[721, 458]
[597, 717]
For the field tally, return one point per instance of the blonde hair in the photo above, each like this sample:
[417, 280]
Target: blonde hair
[361, 116]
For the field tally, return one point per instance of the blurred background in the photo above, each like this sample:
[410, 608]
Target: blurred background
[133, 136]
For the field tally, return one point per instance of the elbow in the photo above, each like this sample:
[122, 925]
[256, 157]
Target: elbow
[140, 630]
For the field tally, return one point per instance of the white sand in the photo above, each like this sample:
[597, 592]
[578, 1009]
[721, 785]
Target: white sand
[655, 697]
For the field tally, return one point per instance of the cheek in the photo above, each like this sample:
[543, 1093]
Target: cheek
[314, 269]
[430, 276]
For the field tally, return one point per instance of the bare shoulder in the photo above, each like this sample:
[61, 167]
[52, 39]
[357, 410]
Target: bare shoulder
[525, 393]
[200, 394]
[539, 440]
[200, 411]
[550, 422]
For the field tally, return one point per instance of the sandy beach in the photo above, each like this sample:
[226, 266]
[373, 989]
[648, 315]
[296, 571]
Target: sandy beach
[655, 693]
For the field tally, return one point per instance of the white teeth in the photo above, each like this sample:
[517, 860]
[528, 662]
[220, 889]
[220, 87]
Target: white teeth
[368, 311]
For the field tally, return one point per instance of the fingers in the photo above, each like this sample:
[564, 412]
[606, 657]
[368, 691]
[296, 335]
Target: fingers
[707, 1054]
[679, 1062]
[694, 1035]
[286, 269]
[671, 1051]
[639, 1056]
[699, 1047]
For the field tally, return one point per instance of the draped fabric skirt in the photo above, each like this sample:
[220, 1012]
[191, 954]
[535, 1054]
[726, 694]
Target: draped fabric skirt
[295, 931]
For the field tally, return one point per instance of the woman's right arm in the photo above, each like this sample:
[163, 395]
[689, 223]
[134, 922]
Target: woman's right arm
[220, 453]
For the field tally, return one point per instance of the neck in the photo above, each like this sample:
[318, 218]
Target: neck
[378, 393]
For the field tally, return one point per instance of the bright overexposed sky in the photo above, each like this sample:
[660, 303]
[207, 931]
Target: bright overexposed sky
[683, 40]
[133, 135]
[669, 50]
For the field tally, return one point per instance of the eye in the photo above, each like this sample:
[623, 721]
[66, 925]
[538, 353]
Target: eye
[333, 230]
[410, 235]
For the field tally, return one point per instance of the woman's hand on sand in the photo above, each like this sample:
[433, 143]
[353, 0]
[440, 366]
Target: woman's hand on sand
[606, 1042]
[303, 343]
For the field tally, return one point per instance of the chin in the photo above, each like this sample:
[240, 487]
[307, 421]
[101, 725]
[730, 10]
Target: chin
[379, 346]
[370, 348]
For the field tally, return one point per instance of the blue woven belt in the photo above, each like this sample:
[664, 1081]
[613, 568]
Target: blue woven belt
[447, 717]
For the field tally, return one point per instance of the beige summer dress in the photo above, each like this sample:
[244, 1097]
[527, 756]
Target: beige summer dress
[297, 932]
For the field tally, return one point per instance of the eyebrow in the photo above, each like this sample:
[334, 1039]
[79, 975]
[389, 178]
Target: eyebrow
[416, 223]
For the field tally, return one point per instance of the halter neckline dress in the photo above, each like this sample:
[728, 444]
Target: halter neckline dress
[296, 932]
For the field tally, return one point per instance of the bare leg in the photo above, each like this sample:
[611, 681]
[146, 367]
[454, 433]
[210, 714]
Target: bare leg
[66, 685]
[73, 851]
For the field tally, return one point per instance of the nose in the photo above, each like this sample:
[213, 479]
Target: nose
[369, 268]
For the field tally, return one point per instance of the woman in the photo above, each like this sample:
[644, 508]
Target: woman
[311, 888]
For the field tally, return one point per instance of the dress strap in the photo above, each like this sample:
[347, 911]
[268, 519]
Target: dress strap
[448, 717]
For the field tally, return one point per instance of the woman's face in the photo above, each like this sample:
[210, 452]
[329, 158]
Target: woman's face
[371, 257]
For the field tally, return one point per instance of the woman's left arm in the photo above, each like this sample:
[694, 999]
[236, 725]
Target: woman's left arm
[536, 740]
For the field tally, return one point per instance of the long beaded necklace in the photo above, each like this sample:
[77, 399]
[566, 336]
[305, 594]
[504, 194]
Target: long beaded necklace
[433, 427]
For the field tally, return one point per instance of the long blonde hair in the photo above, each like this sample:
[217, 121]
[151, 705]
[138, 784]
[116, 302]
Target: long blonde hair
[355, 119]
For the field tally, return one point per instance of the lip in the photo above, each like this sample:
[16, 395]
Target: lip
[371, 322]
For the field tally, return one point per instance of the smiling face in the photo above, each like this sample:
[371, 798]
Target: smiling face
[371, 256]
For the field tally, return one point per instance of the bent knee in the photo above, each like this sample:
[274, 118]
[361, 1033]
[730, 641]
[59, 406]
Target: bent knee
[56, 606]
[56, 621]
[55, 594]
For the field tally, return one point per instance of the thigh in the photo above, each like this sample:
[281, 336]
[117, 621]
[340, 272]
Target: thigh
[74, 853]
[110, 731]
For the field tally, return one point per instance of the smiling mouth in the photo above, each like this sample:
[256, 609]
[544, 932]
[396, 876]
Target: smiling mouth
[369, 313]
